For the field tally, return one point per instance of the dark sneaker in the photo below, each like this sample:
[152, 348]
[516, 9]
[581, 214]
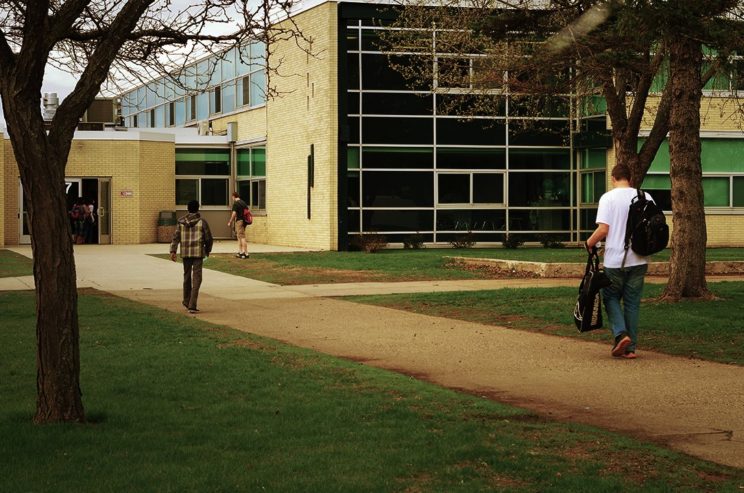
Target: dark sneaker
[194, 310]
[621, 344]
[245, 255]
[186, 305]
[239, 255]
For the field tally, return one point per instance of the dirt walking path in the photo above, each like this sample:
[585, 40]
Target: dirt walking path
[689, 405]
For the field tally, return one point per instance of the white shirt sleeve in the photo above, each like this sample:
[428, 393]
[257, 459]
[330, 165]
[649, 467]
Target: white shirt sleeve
[603, 212]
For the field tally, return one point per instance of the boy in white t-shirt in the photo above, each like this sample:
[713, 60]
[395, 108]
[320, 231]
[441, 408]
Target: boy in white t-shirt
[627, 280]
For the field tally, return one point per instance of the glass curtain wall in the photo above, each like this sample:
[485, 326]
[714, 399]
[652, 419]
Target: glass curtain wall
[220, 84]
[415, 168]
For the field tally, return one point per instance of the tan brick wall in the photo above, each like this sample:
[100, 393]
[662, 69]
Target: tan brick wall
[10, 198]
[306, 113]
[716, 114]
[251, 124]
[146, 169]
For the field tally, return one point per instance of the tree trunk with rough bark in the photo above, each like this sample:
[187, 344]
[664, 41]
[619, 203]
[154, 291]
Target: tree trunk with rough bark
[689, 237]
[42, 168]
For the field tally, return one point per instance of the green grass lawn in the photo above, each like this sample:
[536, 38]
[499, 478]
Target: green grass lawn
[712, 330]
[177, 404]
[15, 265]
[396, 265]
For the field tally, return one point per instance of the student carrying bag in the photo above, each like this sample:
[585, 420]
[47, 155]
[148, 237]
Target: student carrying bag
[588, 310]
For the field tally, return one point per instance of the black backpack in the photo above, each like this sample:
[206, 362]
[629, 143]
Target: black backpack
[646, 231]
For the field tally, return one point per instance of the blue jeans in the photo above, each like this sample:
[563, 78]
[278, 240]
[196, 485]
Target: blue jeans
[627, 285]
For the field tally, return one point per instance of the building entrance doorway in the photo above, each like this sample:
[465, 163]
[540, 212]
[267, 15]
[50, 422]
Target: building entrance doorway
[95, 192]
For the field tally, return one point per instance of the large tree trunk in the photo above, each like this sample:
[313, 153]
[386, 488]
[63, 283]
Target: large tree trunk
[687, 274]
[58, 354]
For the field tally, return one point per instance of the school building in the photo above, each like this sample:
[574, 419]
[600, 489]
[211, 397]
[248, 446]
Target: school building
[349, 148]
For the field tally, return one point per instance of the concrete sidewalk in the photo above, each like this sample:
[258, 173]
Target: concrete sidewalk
[690, 405]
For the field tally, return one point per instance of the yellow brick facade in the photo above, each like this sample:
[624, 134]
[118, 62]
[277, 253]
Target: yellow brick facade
[305, 114]
[716, 113]
[142, 184]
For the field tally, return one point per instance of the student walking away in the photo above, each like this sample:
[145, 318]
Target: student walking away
[196, 241]
[624, 267]
[77, 220]
[237, 218]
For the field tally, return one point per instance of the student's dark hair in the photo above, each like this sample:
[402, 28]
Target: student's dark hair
[235, 195]
[193, 206]
[621, 172]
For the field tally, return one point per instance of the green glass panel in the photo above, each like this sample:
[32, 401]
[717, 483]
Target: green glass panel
[722, 155]
[202, 155]
[719, 82]
[661, 161]
[258, 159]
[738, 191]
[600, 184]
[587, 188]
[716, 192]
[352, 158]
[657, 182]
[244, 162]
[594, 158]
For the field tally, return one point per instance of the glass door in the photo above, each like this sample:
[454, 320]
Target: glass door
[104, 211]
[24, 223]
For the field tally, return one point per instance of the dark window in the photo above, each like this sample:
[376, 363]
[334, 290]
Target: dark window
[451, 131]
[192, 107]
[216, 100]
[738, 199]
[536, 106]
[471, 158]
[538, 133]
[539, 159]
[377, 72]
[454, 188]
[539, 189]
[354, 130]
[152, 119]
[488, 188]
[397, 189]
[588, 219]
[352, 70]
[397, 104]
[214, 191]
[453, 72]
[244, 189]
[353, 221]
[539, 220]
[352, 103]
[171, 113]
[186, 191]
[471, 220]
[371, 40]
[405, 220]
[397, 130]
[470, 105]
[352, 190]
[246, 90]
[398, 157]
